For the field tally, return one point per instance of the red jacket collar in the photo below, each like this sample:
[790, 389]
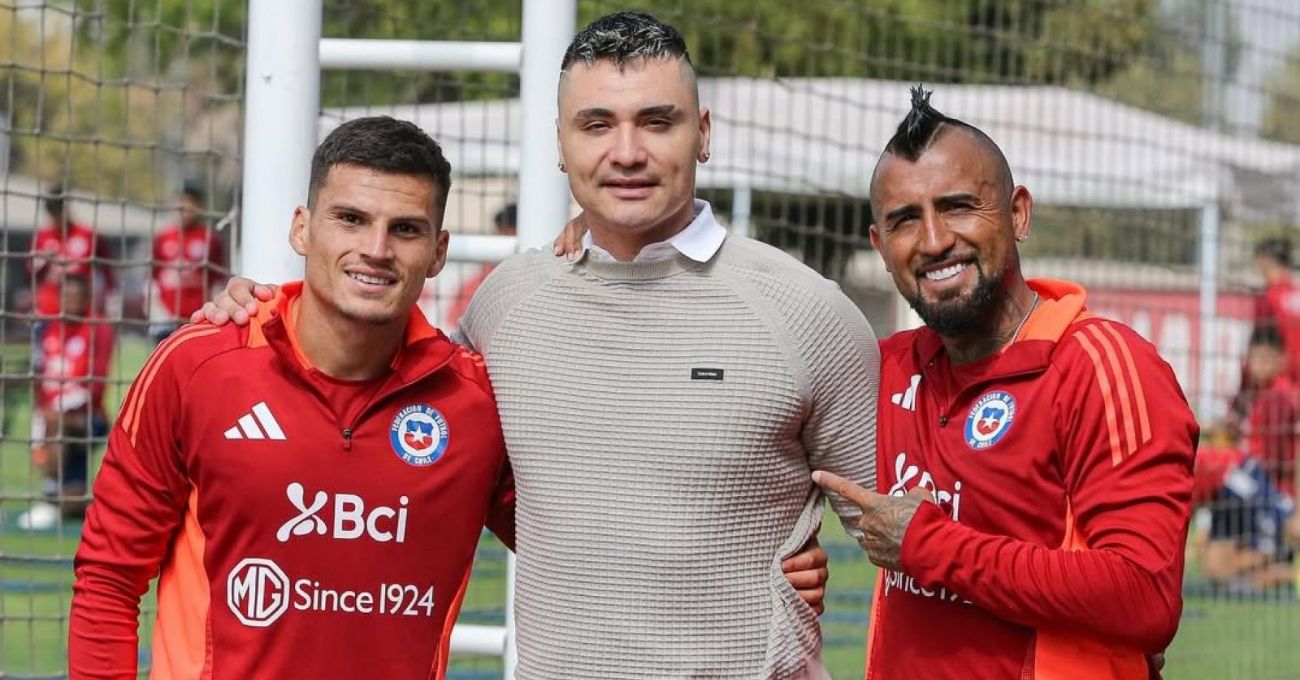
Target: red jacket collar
[1060, 305]
[424, 350]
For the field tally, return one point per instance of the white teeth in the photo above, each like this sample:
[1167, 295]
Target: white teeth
[945, 273]
[372, 280]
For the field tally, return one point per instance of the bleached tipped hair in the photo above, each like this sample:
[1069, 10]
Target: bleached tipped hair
[623, 38]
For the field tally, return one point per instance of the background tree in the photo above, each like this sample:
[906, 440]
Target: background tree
[1282, 115]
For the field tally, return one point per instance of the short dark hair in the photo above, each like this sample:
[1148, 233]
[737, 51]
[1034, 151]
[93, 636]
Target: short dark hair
[54, 200]
[1276, 249]
[1267, 335]
[921, 128]
[624, 37]
[193, 191]
[385, 144]
[507, 216]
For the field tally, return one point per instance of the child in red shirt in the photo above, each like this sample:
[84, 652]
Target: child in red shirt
[1250, 513]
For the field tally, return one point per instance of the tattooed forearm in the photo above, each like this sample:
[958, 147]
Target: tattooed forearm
[883, 527]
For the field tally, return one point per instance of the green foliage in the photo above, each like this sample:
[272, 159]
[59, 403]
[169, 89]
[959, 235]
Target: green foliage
[476, 20]
[101, 94]
[946, 40]
[1281, 120]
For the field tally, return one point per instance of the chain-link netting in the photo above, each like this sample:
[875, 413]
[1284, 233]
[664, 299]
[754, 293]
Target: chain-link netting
[1161, 143]
[119, 137]
[1160, 140]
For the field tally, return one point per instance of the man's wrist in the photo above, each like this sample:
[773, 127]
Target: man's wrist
[924, 532]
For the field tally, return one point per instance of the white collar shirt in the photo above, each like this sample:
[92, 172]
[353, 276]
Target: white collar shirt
[699, 241]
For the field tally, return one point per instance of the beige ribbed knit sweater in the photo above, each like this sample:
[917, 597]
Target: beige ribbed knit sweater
[662, 419]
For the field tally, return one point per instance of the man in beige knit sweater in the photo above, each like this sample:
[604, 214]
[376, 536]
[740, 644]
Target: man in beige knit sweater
[664, 397]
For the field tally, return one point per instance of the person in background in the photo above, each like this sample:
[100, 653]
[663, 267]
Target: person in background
[1278, 305]
[63, 248]
[505, 224]
[68, 418]
[1248, 547]
[189, 262]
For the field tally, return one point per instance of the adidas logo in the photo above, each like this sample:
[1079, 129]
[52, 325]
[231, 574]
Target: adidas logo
[248, 425]
[907, 398]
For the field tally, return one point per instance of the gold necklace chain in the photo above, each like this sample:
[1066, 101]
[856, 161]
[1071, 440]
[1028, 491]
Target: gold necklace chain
[1025, 318]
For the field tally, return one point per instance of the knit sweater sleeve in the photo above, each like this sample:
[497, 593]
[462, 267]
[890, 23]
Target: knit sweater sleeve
[837, 362]
[510, 283]
[843, 363]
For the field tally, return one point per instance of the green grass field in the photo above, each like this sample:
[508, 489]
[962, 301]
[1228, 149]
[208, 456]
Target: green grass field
[1218, 639]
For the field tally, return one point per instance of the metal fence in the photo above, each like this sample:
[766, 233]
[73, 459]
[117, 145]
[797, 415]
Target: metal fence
[1159, 137]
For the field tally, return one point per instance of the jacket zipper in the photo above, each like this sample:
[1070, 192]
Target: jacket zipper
[382, 395]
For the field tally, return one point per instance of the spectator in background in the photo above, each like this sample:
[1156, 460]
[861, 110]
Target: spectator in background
[76, 347]
[1248, 546]
[189, 262]
[505, 222]
[1279, 304]
[64, 248]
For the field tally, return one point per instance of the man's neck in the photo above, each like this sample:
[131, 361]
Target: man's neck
[342, 348]
[624, 245]
[1001, 330]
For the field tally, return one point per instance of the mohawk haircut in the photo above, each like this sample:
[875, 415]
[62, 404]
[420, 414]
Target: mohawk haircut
[922, 126]
[625, 37]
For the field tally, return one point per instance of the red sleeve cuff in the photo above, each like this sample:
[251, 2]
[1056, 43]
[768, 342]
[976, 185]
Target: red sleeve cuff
[924, 534]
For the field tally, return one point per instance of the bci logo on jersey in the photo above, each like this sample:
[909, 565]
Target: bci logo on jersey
[990, 419]
[419, 434]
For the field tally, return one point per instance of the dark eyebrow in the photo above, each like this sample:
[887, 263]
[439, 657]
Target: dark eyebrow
[909, 210]
[665, 110]
[339, 208]
[955, 200]
[594, 112]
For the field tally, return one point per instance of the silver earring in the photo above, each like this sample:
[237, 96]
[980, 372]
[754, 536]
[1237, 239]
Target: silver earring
[561, 166]
[704, 157]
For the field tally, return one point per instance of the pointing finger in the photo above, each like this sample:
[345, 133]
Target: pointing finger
[858, 495]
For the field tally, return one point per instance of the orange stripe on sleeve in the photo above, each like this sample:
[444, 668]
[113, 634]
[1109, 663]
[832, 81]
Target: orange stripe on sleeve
[1143, 420]
[132, 422]
[453, 611]
[1125, 404]
[874, 622]
[131, 408]
[1116, 455]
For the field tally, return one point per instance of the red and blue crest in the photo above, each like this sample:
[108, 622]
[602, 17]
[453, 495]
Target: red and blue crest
[990, 419]
[419, 434]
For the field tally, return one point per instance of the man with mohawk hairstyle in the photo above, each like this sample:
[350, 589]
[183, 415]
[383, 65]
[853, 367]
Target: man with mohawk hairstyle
[1034, 467]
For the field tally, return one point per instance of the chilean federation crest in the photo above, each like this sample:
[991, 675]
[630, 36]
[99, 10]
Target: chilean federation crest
[990, 419]
[419, 434]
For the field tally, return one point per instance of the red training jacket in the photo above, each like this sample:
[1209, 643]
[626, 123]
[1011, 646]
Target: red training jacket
[58, 252]
[1279, 305]
[75, 358]
[291, 545]
[1270, 433]
[187, 263]
[1061, 469]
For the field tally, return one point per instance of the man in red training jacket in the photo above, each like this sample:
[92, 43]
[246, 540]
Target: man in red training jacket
[311, 486]
[1034, 461]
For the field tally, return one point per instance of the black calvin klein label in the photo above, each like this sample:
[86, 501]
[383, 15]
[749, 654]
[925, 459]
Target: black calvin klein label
[706, 374]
